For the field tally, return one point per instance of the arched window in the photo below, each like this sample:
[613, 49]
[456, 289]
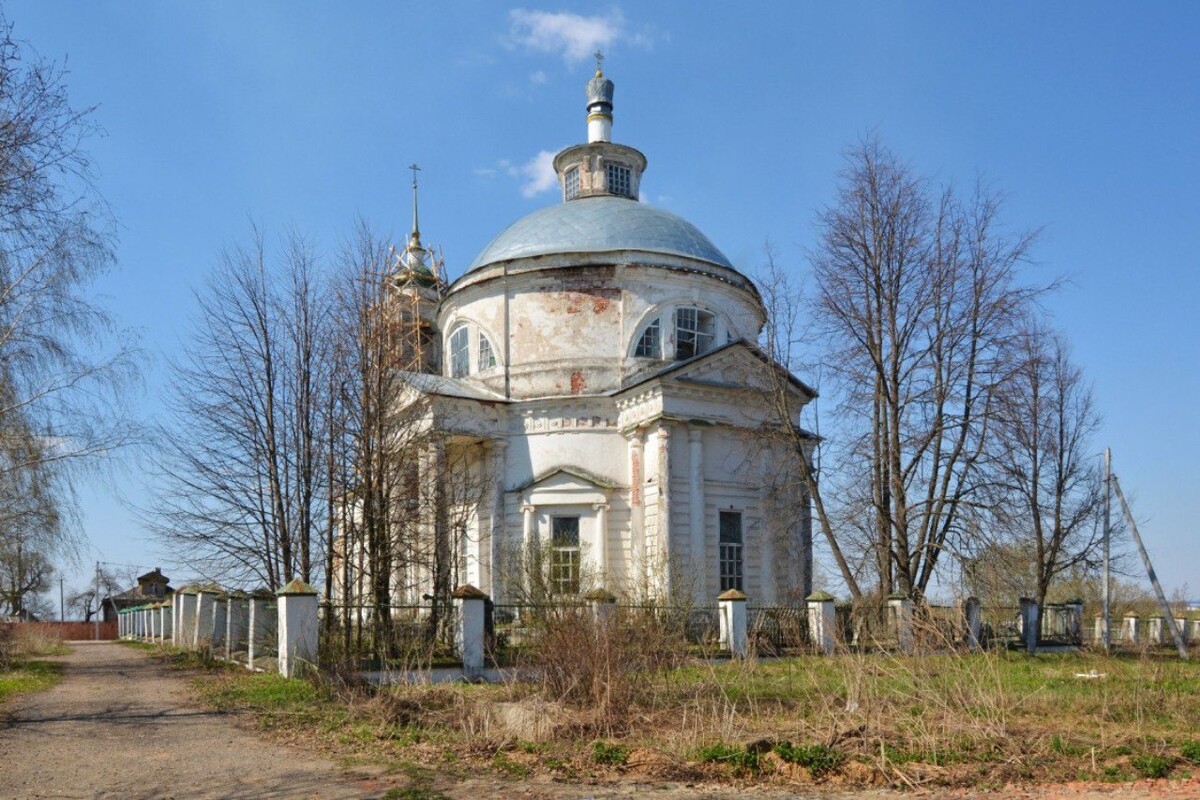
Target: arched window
[460, 352]
[695, 332]
[650, 342]
[487, 356]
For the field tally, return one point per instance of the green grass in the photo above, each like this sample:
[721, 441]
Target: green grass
[614, 755]
[819, 759]
[1190, 750]
[1152, 766]
[28, 676]
[743, 760]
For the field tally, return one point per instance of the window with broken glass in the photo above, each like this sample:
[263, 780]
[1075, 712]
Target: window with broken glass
[649, 343]
[460, 353]
[731, 550]
[487, 356]
[564, 555]
[695, 332]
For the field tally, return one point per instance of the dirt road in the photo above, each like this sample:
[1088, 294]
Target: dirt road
[121, 725]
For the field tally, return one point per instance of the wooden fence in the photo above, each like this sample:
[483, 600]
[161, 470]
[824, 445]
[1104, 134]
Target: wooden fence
[66, 630]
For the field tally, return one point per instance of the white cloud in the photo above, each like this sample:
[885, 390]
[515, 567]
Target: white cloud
[538, 174]
[573, 36]
[538, 78]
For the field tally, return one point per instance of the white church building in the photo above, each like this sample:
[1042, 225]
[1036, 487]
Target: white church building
[599, 364]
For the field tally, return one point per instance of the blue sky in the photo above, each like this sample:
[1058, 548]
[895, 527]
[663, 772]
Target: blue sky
[305, 114]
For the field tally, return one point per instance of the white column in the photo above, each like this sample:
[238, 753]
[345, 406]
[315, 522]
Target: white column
[601, 510]
[731, 608]
[1155, 632]
[1131, 628]
[768, 530]
[664, 506]
[219, 624]
[237, 612]
[699, 568]
[187, 619]
[203, 630]
[470, 628]
[821, 621]
[1098, 630]
[168, 622]
[901, 610]
[527, 544]
[298, 628]
[637, 511]
[499, 469]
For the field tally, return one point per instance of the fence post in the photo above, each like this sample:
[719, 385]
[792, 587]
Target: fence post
[821, 621]
[219, 623]
[236, 610]
[972, 617]
[1029, 624]
[256, 636]
[731, 606]
[900, 608]
[177, 617]
[166, 626]
[1131, 629]
[1155, 633]
[1098, 630]
[1196, 629]
[298, 625]
[470, 628]
[1075, 621]
[603, 605]
[203, 630]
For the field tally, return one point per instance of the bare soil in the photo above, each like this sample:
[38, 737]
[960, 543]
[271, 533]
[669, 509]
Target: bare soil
[122, 724]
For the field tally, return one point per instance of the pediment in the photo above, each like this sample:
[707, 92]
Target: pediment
[566, 485]
[738, 365]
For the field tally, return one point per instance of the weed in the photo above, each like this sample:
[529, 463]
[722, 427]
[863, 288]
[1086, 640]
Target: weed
[1113, 774]
[1190, 750]
[612, 754]
[741, 759]
[1058, 745]
[509, 767]
[819, 759]
[1150, 765]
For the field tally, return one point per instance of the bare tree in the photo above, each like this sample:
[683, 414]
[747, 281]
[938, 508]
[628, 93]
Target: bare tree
[63, 363]
[1047, 483]
[242, 470]
[917, 296]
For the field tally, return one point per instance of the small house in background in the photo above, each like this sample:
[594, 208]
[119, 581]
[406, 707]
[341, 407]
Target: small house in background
[153, 587]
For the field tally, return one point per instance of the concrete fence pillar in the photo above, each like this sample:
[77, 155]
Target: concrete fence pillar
[167, 627]
[203, 630]
[1098, 630]
[470, 628]
[1029, 624]
[259, 627]
[237, 611]
[219, 623]
[152, 623]
[971, 618]
[187, 619]
[1130, 629]
[1195, 624]
[602, 605]
[731, 608]
[141, 618]
[1155, 631]
[298, 627]
[821, 621]
[900, 614]
[1075, 621]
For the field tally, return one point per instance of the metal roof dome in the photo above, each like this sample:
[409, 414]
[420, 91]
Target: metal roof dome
[600, 224]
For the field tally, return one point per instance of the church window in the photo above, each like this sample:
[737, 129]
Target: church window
[695, 332]
[571, 183]
[620, 179]
[648, 345]
[564, 555]
[460, 352]
[731, 550]
[487, 356]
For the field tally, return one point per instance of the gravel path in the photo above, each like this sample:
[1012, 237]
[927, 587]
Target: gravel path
[120, 725]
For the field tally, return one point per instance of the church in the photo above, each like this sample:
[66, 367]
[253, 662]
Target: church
[596, 370]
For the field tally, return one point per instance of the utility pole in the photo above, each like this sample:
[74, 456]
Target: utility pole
[1107, 595]
[62, 603]
[96, 625]
[1180, 645]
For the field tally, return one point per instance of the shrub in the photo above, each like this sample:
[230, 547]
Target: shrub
[1152, 766]
[1191, 751]
[611, 754]
[819, 759]
[740, 758]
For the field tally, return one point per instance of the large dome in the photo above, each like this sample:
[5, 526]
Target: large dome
[600, 224]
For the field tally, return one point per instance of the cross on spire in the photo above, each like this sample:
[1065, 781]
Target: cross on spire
[599, 56]
[416, 228]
